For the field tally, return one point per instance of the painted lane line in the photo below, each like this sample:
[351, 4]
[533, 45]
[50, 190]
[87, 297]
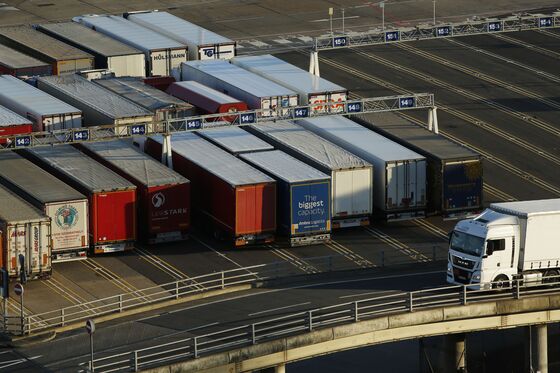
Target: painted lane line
[200, 327]
[278, 309]
[381, 292]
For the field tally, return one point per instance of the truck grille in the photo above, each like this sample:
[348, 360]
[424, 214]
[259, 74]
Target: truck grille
[461, 275]
[462, 262]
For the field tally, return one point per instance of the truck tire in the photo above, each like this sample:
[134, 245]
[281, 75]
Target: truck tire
[501, 282]
[551, 272]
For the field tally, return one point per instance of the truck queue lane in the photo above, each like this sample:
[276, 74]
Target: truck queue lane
[541, 43]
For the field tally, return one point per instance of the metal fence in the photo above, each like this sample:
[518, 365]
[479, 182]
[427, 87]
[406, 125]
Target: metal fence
[307, 321]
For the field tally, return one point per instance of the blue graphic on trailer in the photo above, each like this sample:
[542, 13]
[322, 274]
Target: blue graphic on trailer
[311, 208]
[462, 186]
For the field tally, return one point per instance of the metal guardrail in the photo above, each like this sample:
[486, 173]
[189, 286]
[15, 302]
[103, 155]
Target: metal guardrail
[251, 117]
[443, 30]
[307, 321]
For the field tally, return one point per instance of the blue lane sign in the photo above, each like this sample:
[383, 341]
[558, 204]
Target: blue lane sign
[354, 107]
[138, 129]
[22, 141]
[546, 22]
[340, 41]
[406, 102]
[494, 26]
[443, 31]
[392, 36]
[301, 112]
[247, 118]
[194, 124]
[81, 135]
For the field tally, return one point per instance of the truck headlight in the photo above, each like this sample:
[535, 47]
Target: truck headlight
[449, 268]
[476, 277]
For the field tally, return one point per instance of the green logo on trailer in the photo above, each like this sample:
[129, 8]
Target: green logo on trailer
[66, 217]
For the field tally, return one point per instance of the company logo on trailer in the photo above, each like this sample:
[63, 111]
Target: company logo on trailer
[18, 233]
[158, 200]
[66, 217]
[208, 52]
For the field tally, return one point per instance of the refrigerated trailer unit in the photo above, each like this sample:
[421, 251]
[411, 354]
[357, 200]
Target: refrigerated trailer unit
[454, 172]
[399, 177]
[234, 140]
[303, 196]
[206, 99]
[111, 54]
[98, 105]
[162, 105]
[162, 54]
[46, 112]
[237, 200]
[256, 91]
[26, 231]
[312, 89]
[203, 44]
[112, 199]
[13, 124]
[64, 58]
[18, 64]
[66, 207]
[163, 196]
[351, 176]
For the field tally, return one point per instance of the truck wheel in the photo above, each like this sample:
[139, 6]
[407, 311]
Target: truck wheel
[500, 282]
[551, 272]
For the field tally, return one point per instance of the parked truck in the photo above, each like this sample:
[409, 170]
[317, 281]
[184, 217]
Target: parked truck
[508, 241]
[303, 196]
[229, 197]
[235, 140]
[12, 124]
[67, 208]
[25, 231]
[21, 65]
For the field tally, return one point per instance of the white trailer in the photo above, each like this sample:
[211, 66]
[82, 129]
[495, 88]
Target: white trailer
[508, 241]
[162, 53]
[312, 90]
[352, 177]
[256, 91]
[203, 44]
[234, 140]
[46, 112]
[120, 58]
[399, 177]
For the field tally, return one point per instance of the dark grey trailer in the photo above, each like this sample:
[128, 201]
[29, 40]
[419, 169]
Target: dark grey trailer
[19, 64]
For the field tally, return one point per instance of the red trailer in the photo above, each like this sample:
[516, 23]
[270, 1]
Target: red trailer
[208, 100]
[163, 195]
[12, 124]
[238, 200]
[112, 199]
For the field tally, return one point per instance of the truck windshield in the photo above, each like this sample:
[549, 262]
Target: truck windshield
[467, 243]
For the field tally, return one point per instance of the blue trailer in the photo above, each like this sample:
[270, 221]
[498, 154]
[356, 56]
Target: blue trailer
[303, 200]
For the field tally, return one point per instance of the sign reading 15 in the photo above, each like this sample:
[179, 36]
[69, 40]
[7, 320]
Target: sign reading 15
[340, 41]
[546, 22]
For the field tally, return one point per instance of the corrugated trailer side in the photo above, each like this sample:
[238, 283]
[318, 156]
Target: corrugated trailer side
[351, 176]
[24, 230]
[19, 64]
[112, 199]
[66, 207]
[238, 200]
[12, 124]
[163, 195]
[399, 185]
[455, 173]
[303, 202]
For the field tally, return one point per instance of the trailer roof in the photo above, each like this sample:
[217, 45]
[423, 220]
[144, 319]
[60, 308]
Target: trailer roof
[529, 208]
[291, 76]
[178, 28]
[284, 166]
[14, 59]
[89, 39]
[206, 91]
[37, 101]
[77, 166]
[93, 95]
[129, 32]
[215, 160]
[241, 78]
[235, 140]
[135, 163]
[350, 132]
[396, 127]
[44, 44]
[311, 145]
[9, 118]
[14, 209]
[35, 181]
[142, 94]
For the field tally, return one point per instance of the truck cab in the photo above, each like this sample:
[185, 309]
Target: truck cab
[484, 249]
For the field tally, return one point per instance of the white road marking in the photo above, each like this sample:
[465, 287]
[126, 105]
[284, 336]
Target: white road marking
[334, 19]
[382, 292]
[278, 309]
[201, 327]
[11, 363]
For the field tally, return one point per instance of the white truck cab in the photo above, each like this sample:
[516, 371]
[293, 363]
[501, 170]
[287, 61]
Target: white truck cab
[508, 241]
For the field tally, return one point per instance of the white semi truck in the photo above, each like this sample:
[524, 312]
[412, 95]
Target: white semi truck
[508, 241]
